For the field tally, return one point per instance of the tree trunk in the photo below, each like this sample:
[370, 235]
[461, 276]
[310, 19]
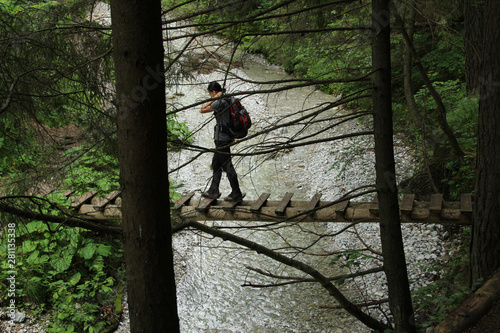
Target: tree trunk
[473, 13]
[485, 247]
[390, 225]
[410, 98]
[140, 89]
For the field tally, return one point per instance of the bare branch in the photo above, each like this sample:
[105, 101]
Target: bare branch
[361, 305]
[315, 274]
[296, 279]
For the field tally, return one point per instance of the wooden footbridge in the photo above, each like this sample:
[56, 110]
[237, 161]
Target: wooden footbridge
[263, 209]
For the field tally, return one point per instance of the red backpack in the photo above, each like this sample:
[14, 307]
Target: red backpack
[240, 120]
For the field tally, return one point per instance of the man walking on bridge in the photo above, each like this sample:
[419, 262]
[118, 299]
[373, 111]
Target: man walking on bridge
[222, 157]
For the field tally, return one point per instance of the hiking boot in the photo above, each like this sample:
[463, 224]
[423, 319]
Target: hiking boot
[210, 195]
[234, 197]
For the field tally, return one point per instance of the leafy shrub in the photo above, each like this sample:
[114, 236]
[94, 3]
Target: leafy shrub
[92, 169]
[66, 271]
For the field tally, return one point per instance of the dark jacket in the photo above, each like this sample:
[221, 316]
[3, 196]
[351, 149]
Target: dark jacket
[222, 114]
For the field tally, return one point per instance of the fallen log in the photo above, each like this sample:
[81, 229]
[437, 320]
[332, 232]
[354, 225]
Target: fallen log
[473, 309]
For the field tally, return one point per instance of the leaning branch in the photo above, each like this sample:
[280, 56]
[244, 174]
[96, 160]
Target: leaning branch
[361, 305]
[296, 279]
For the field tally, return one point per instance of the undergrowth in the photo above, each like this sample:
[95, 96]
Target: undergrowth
[433, 302]
[69, 272]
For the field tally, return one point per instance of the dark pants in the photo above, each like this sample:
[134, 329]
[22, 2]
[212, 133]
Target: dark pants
[222, 162]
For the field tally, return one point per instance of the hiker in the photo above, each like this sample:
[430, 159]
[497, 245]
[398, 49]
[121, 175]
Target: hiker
[222, 157]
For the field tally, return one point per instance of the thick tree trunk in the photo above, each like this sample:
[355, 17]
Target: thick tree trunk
[390, 225]
[473, 13]
[485, 247]
[140, 88]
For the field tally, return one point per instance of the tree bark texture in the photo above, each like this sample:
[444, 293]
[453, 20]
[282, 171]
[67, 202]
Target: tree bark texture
[410, 98]
[140, 89]
[390, 224]
[473, 14]
[485, 247]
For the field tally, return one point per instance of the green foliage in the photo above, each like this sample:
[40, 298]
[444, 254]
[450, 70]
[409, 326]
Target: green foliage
[457, 175]
[177, 132]
[460, 177]
[445, 53]
[92, 169]
[433, 302]
[463, 118]
[350, 258]
[52, 76]
[322, 56]
[66, 271]
[14, 158]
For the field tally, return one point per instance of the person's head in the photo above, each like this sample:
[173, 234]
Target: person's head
[215, 87]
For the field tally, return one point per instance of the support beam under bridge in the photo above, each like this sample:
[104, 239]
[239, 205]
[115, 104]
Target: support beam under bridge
[189, 206]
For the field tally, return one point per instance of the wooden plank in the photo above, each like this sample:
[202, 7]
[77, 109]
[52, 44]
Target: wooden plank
[68, 193]
[112, 212]
[466, 203]
[280, 210]
[83, 199]
[353, 213]
[97, 201]
[407, 203]
[341, 207]
[109, 198]
[44, 189]
[257, 205]
[229, 205]
[184, 200]
[205, 203]
[436, 203]
[314, 202]
[113, 195]
[88, 210]
[374, 206]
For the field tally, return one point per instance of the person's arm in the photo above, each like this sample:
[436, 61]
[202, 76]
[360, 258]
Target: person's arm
[207, 106]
